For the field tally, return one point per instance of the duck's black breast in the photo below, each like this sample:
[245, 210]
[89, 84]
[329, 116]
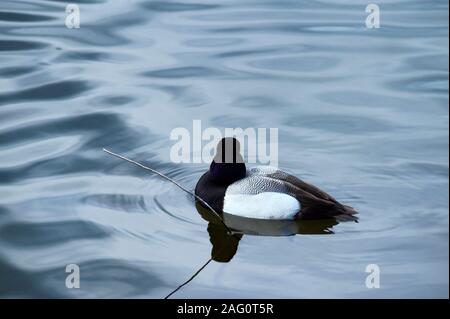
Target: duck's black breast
[211, 192]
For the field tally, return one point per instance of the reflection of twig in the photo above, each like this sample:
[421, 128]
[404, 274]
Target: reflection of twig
[170, 180]
[190, 279]
[198, 271]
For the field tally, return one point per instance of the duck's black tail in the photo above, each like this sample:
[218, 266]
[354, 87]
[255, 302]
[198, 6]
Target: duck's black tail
[348, 210]
[346, 213]
[327, 210]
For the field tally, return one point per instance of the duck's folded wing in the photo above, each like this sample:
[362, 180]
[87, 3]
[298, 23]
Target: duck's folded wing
[315, 203]
[277, 174]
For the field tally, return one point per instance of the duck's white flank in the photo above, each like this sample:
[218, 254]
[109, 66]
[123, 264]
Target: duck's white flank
[266, 205]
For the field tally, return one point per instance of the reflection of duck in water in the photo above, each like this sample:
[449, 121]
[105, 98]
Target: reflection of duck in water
[262, 192]
[224, 245]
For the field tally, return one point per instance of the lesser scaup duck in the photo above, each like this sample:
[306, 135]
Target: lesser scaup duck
[262, 192]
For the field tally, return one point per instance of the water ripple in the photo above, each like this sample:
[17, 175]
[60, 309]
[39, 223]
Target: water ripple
[51, 91]
[182, 72]
[15, 45]
[22, 17]
[173, 6]
[44, 234]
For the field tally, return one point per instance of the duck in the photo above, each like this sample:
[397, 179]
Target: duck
[262, 192]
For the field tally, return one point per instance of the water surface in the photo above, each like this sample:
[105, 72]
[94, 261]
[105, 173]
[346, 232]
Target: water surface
[362, 113]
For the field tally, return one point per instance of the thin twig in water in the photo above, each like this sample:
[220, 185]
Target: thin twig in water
[174, 182]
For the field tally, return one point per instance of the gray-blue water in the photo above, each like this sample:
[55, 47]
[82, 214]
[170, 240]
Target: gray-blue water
[361, 113]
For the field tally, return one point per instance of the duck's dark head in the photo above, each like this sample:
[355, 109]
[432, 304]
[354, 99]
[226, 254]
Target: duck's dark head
[228, 165]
